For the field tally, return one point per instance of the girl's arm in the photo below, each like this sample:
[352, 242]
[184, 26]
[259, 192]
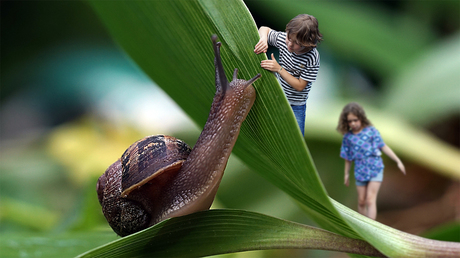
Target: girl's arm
[262, 45]
[347, 172]
[389, 152]
[272, 65]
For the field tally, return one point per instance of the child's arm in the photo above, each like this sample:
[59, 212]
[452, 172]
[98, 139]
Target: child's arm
[347, 172]
[297, 84]
[389, 152]
[262, 45]
[272, 65]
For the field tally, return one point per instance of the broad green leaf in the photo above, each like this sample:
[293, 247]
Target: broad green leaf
[225, 231]
[170, 41]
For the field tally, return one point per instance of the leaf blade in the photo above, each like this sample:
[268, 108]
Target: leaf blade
[225, 231]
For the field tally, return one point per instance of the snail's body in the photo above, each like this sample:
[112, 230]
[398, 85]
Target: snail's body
[200, 175]
[186, 183]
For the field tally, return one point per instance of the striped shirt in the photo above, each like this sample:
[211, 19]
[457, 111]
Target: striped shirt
[305, 66]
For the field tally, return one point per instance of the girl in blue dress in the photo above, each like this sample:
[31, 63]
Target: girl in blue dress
[363, 145]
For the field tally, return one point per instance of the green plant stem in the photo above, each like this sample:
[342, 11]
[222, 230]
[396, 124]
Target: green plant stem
[326, 240]
[433, 248]
[404, 244]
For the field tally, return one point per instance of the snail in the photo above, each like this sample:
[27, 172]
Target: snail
[159, 177]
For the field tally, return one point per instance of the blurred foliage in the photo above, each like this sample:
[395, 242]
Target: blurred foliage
[447, 232]
[60, 245]
[64, 118]
[69, 144]
[436, 78]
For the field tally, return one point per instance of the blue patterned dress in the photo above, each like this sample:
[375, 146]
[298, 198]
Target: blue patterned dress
[363, 149]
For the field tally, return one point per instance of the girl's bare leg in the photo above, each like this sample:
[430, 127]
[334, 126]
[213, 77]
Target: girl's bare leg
[362, 190]
[371, 199]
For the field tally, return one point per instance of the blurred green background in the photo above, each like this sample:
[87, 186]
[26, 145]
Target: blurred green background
[72, 102]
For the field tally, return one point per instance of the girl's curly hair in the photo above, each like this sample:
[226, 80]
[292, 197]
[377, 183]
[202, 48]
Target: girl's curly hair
[305, 29]
[355, 109]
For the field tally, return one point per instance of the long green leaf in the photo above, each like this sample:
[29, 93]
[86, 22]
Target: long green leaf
[170, 41]
[226, 231]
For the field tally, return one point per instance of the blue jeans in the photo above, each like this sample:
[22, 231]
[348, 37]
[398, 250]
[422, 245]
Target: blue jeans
[377, 178]
[299, 112]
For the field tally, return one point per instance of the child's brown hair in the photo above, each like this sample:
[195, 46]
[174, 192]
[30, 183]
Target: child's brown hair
[305, 29]
[355, 109]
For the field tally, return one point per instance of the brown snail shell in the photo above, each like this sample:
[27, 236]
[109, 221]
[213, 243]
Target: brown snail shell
[149, 158]
[147, 162]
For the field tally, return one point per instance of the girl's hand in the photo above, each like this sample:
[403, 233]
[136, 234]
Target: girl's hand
[347, 180]
[270, 65]
[261, 46]
[401, 167]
